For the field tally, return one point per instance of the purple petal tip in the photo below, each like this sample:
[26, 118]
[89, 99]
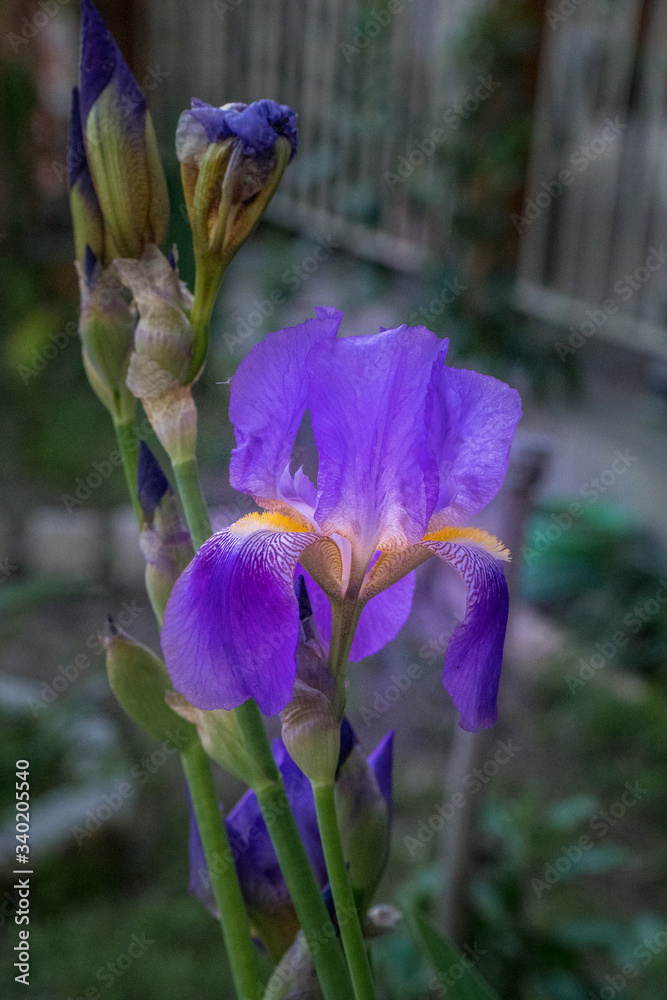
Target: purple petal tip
[381, 762]
[101, 60]
[152, 484]
[256, 125]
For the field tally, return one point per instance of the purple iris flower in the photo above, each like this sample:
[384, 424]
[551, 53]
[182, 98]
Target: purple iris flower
[409, 449]
[264, 890]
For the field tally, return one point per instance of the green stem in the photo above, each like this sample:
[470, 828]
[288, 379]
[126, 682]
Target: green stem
[346, 910]
[310, 909]
[222, 872]
[194, 505]
[128, 445]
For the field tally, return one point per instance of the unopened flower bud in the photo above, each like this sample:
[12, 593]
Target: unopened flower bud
[86, 212]
[363, 805]
[221, 738]
[310, 727]
[164, 540]
[106, 324]
[159, 372]
[120, 142]
[140, 681]
[232, 160]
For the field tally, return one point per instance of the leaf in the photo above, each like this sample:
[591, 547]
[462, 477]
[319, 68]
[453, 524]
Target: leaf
[455, 970]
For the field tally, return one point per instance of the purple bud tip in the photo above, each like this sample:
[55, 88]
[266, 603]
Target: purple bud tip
[382, 762]
[171, 257]
[76, 152]
[257, 126]
[348, 741]
[301, 591]
[152, 484]
[89, 263]
[110, 628]
[101, 60]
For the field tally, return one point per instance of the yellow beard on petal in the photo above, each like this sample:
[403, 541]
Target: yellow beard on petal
[475, 535]
[267, 521]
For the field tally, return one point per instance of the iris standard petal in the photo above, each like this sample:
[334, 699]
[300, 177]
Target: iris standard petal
[475, 652]
[381, 619]
[232, 623]
[268, 401]
[377, 481]
[471, 423]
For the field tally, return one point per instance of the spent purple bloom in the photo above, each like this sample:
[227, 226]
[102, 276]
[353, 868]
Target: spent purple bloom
[409, 449]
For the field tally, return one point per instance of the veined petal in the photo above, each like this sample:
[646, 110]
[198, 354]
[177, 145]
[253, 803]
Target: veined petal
[377, 481]
[381, 619]
[471, 423]
[475, 652]
[232, 622]
[268, 401]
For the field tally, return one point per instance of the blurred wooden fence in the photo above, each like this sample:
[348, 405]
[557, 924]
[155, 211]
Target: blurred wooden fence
[370, 81]
[594, 221]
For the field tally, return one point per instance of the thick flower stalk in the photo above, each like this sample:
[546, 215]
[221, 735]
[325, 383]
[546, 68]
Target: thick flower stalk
[409, 449]
[264, 889]
[232, 161]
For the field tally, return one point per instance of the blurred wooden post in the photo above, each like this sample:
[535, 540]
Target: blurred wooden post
[528, 463]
